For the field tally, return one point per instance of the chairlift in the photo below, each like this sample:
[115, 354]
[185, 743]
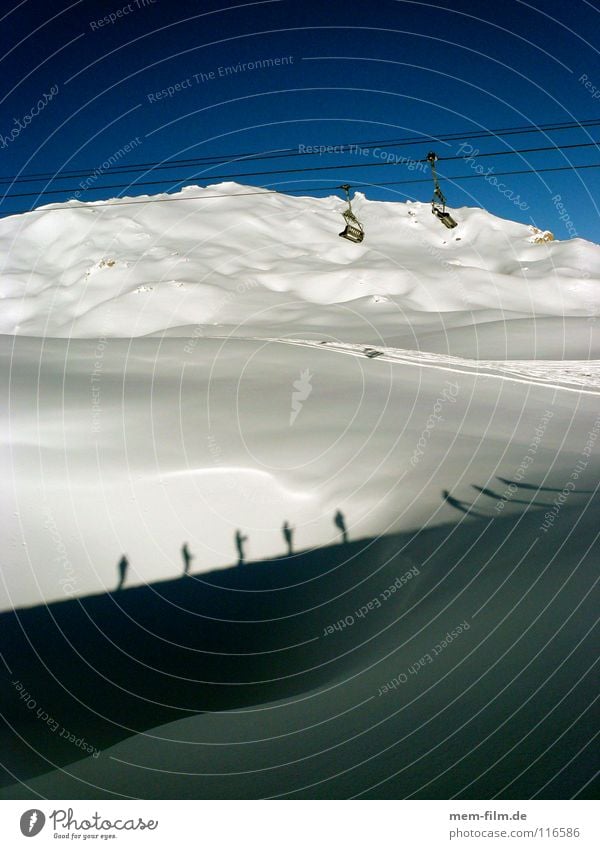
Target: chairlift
[353, 231]
[438, 196]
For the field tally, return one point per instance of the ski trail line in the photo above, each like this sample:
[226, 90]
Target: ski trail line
[581, 376]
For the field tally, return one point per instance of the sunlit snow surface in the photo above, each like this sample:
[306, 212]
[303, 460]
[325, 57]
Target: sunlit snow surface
[270, 262]
[111, 438]
[179, 371]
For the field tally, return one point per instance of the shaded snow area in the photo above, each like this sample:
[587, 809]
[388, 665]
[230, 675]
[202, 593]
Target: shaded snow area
[181, 379]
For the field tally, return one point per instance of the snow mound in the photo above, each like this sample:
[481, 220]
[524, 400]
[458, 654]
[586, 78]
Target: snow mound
[232, 256]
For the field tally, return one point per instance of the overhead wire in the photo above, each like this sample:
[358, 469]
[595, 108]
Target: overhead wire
[344, 166]
[293, 152]
[92, 205]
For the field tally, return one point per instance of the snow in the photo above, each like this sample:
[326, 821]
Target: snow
[323, 713]
[175, 371]
[259, 263]
[152, 374]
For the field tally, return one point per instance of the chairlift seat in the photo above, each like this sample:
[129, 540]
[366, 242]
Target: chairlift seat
[445, 218]
[353, 234]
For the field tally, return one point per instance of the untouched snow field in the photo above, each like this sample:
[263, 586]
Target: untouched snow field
[181, 371]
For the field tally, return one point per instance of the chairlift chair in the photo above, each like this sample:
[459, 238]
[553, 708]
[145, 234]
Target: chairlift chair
[353, 231]
[438, 196]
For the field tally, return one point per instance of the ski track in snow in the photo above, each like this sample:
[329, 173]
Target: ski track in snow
[581, 376]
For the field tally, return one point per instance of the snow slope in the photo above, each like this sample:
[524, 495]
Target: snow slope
[205, 262]
[125, 444]
[192, 446]
[184, 370]
[378, 708]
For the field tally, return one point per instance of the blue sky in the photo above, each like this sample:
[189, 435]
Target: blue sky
[84, 83]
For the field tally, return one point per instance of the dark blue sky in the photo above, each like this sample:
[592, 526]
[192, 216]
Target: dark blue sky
[348, 72]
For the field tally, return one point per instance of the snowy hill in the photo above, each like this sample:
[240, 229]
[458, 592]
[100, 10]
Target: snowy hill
[260, 264]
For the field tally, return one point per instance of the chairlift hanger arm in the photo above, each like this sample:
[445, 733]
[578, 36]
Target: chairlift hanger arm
[438, 195]
[346, 189]
[437, 192]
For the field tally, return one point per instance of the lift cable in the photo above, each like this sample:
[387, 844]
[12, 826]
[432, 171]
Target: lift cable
[479, 155]
[292, 152]
[92, 205]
